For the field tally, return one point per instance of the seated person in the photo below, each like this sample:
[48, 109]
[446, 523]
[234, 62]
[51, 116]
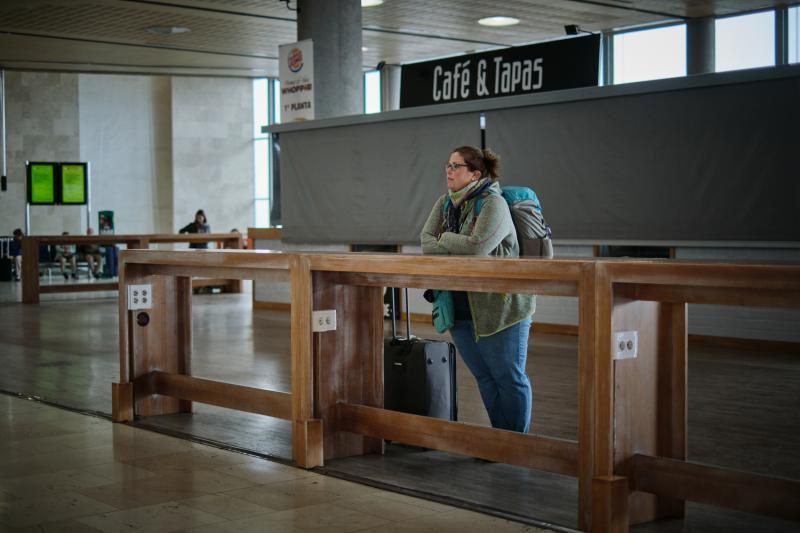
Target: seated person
[91, 253]
[15, 251]
[64, 253]
[200, 225]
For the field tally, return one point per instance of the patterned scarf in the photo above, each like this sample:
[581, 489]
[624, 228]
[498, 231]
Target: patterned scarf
[458, 199]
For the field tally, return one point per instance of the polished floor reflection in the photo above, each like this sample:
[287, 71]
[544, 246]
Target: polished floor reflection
[63, 471]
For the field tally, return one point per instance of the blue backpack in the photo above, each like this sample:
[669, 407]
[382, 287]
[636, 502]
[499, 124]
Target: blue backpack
[533, 232]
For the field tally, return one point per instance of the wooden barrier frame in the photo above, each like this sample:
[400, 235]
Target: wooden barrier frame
[627, 439]
[641, 419]
[31, 288]
[155, 355]
[349, 363]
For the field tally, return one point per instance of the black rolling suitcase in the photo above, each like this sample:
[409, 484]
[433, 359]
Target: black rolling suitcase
[6, 262]
[419, 376]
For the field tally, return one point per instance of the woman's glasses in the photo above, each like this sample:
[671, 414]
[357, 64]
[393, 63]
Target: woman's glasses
[454, 166]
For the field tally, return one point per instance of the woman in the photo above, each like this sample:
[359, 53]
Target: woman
[200, 225]
[491, 329]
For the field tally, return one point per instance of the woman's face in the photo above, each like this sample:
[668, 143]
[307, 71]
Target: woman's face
[200, 219]
[458, 173]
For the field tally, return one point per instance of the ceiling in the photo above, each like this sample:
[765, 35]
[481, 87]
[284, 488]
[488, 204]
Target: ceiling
[241, 37]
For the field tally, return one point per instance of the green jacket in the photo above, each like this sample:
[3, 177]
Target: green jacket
[493, 234]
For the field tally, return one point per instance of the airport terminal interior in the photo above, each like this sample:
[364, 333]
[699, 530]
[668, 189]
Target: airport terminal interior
[176, 106]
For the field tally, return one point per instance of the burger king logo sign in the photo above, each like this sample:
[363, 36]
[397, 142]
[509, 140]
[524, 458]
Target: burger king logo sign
[295, 60]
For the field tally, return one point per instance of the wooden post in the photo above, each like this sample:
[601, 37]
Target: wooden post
[306, 430]
[672, 395]
[609, 504]
[163, 343]
[596, 374]
[183, 330]
[122, 402]
[586, 396]
[30, 270]
[650, 399]
[350, 360]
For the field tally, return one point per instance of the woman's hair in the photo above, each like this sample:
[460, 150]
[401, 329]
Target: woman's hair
[485, 161]
[201, 212]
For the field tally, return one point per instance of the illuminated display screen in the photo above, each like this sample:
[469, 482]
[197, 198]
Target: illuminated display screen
[73, 183]
[41, 183]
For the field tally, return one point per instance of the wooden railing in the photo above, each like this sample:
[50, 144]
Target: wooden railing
[32, 289]
[632, 412]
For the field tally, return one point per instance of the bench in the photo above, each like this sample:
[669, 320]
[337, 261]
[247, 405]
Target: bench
[31, 288]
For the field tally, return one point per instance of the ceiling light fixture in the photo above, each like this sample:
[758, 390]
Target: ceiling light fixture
[167, 30]
[498, 21]
[364, 49]
[371, 3]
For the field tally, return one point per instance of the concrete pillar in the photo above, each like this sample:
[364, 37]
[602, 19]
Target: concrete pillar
[607, 58]
[781, 35]
[700, 46]
[335, 28]
[3, 166]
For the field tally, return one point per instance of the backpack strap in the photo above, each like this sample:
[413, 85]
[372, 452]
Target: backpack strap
[479, 202]
[478, 205]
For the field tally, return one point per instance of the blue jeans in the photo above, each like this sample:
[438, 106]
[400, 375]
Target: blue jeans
[498, 364]
[111, 260]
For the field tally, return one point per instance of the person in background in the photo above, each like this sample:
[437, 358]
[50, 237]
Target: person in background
[490, 329]
[91, 252]
[15, 251]
[200, 225]
[64, 253]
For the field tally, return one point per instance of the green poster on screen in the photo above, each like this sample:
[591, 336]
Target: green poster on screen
[43, 184]
[73, 184]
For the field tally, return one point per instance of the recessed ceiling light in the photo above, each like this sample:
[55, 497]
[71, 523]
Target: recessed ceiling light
[167, 30]
[371, 3]
[364, 49]
[498, 21]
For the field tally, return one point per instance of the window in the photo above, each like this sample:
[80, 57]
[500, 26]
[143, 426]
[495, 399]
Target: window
[276, 101]
[746, 41]
[372, 91]
[650, 54]
[261, 152]
[794, 34]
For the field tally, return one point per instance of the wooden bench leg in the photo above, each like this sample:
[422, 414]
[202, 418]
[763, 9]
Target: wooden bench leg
[609, 504]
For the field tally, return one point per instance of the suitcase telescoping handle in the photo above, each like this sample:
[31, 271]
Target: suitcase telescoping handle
[408, 314]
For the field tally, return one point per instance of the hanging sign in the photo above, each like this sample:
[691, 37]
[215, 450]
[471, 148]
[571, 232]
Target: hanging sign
[297, 81]
[549, 66]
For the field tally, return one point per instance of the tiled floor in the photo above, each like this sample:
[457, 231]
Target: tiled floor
[62, 471]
